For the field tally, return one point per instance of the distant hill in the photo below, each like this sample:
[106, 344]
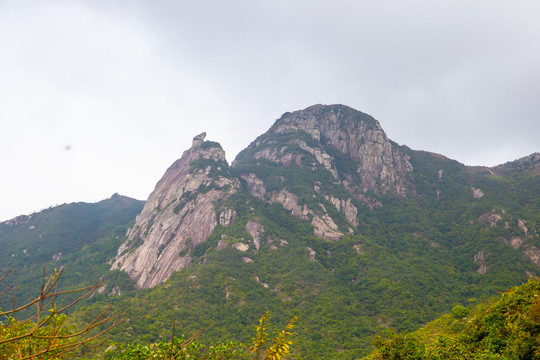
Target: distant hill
[80, 237]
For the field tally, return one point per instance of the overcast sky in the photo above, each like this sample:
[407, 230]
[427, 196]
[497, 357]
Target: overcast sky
[98, 97]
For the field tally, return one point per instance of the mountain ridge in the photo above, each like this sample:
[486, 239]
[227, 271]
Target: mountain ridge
[345, 161]
[299, 227]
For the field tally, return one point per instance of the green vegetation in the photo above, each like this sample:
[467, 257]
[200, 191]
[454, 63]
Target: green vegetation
[505, 328]
[44, 334]
[79, 237]
[438, 250]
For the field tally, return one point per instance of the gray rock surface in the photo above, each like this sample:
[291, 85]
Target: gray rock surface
[176, 215]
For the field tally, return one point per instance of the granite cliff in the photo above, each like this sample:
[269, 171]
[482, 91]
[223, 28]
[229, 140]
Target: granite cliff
[179, 214]
[330, 168]
[335, 147]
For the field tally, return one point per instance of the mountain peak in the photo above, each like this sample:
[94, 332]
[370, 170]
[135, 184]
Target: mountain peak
[382, 165]
[179, 214]
[198, 140]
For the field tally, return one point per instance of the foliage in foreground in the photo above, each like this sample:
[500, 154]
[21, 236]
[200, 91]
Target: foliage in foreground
[44, 335]
[509, 328]
[262, 347]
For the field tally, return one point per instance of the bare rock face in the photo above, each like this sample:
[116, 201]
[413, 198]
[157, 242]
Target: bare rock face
[256, 230]
[533, 253]
[481, 261]
[179, 214]
[22, 219]
[289, 201]
[491, 217]
[255, 185]
[477, 193]
[346, 207]
[325, 227]
[381, 165]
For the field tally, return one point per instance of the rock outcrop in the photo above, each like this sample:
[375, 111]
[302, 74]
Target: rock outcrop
[381, 165]
[343, 148]
[179, 214]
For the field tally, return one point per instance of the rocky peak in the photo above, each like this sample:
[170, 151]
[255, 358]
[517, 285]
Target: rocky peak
[530, 164]
[198, 140]
[380, 164]
[179, 214]
[288, 163]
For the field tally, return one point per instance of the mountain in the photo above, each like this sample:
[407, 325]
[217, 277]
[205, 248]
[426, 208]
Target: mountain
[79, 236]
[322, 217]
[179, 213]
[327, 165]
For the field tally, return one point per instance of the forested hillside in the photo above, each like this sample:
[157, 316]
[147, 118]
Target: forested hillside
[505, 327]
[80, 237]
[322, 218]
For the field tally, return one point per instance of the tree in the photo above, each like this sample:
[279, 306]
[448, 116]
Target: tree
[44, 334]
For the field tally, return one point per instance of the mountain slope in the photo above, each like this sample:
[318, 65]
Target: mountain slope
[326, 218]
[502, 328]
[79, 237]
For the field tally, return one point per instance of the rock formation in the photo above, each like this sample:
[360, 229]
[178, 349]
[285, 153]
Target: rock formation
[179, 214]
[335, 147]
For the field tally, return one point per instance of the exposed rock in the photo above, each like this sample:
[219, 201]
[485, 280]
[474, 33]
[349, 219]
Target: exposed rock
[241, 247]
[477, 193]
[279, 156]
[283, 242]
[255, 185]
[247, 260]
[527, 164]
[227, 217]
[222, 244]
[346, 207]
[255, 230]
[311, 254]
[56, 257]
[198, 140]
[322, 157]
[481, 261]
[256, 278]
[325, 227]
[492, 217]
[175, 212]
[22, 219]
[382, 166]
[533, 253]
[358, 248]
[516, 242]
[115, 291]
[440, 173]
[323, 224]
[290, 202]
[521, 225]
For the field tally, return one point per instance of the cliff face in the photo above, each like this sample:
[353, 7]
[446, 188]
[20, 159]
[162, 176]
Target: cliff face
[381, 165]
[322, 164]
[343, 149]
[179, 214]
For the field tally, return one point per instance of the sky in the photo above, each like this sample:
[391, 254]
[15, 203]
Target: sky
[101, 97]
